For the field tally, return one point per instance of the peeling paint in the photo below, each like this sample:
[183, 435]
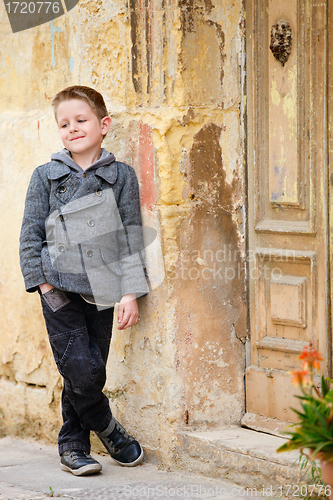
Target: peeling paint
[275, 94]
[54, 29]
[208, 229]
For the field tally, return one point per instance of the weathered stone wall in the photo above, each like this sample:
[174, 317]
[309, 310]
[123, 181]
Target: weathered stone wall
[170, 74]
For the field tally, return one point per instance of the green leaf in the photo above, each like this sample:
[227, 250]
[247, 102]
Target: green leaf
[324, 387]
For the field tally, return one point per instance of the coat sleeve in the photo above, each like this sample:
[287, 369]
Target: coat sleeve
[131, 245]
[33, 232]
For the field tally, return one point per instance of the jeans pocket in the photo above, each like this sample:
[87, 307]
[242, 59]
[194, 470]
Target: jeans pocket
[55, 299]
[74, 358]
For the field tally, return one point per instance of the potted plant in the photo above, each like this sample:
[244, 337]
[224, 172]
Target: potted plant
[313, 433]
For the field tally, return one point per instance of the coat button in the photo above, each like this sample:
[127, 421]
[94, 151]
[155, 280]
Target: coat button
[91, 223]
[62, 218]
[99, 192]
[89, 253]
[62, 189]
[84, 175]
[61, 248]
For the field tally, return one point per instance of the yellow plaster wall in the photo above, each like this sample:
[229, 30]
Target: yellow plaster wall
[171, 80]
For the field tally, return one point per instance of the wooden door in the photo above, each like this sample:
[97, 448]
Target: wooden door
[287, 199]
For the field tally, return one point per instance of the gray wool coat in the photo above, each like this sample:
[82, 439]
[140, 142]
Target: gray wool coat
[81, 230]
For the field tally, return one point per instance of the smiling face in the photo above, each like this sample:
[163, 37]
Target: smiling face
[81, 131]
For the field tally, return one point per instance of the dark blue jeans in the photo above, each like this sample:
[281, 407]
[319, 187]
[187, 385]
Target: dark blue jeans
[80, 336]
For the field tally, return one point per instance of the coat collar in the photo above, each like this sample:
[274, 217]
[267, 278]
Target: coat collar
[58, 169]
[108, 173]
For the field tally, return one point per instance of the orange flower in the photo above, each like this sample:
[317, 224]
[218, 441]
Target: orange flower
[311, 358]
[301, 378]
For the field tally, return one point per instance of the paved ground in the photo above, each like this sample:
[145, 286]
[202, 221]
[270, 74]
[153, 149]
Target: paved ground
[30, 471]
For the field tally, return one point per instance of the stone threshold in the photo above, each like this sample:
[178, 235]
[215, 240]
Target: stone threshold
[243, 456]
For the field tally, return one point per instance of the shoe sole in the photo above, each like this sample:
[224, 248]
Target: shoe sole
[83, 471]
[132, 464]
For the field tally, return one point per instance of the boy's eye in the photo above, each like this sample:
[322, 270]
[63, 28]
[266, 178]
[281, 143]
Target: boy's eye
[64, 125]
[81, 121]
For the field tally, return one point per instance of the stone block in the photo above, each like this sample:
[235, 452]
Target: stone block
[12, 404]
[241, 455]
[38, 407]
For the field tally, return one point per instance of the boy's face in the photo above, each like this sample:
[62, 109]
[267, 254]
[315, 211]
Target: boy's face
[80, 129]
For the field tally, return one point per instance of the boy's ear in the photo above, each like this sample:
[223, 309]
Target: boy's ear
[106, 124]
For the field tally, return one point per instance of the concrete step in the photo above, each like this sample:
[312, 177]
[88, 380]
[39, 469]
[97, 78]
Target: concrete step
[244, 456]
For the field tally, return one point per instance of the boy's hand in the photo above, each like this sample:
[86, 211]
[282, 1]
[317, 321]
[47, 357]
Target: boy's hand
[128, 312]
[45, 287]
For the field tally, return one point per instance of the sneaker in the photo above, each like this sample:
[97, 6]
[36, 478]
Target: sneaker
[79, 463]
[122, 447]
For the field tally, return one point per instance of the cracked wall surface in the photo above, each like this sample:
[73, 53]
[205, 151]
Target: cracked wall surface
[170, 74]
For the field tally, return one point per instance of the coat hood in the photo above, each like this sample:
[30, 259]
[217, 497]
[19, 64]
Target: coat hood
[64, 156]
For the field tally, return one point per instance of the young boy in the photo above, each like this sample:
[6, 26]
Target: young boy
[80, 249]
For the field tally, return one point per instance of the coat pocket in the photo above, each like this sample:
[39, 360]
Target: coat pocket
[55, 299]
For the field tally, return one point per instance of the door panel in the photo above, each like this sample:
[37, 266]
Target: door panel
[287, 196]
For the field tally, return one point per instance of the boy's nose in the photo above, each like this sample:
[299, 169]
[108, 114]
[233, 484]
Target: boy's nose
[73, 127]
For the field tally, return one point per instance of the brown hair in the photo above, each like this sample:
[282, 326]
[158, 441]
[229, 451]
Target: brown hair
[87, 94]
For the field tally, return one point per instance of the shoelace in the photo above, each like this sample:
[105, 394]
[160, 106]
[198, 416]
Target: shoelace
[123, 432]
[75, 456]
